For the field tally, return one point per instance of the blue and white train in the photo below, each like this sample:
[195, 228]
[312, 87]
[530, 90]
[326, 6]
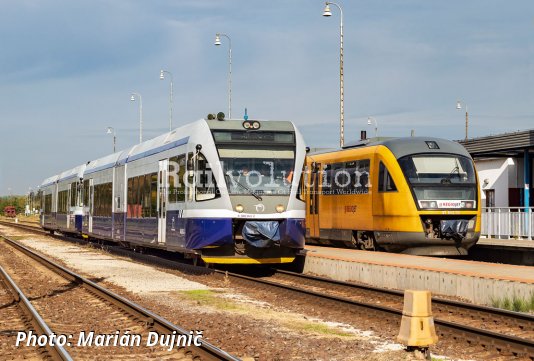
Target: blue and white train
[224, 191]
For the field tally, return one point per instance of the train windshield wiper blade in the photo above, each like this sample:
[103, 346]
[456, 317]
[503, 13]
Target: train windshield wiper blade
[250, 191]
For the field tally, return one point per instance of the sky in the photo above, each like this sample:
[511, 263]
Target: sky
[68, 68]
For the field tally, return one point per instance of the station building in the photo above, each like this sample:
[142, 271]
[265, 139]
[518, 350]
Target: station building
[504, 166]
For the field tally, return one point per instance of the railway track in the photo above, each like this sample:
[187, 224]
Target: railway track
[496, 333]
[17, 313]
[505, 332]
[82, 310]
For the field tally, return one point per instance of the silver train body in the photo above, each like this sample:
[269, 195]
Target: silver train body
[226, 191]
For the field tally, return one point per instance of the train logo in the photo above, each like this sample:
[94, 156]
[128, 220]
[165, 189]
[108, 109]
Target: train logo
[260, 208]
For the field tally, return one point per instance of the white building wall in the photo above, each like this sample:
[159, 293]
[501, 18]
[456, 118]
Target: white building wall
[496, 174]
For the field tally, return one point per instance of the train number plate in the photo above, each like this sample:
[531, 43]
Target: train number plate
[449, 204]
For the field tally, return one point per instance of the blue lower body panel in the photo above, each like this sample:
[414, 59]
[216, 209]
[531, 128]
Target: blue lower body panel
[78, 222]
[202, 232]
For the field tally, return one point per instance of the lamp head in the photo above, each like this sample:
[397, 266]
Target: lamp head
[217, 39]
[132, 98]
[327, 11]
[110, 130]
[161, 76]
[368, 120]
[458, 105]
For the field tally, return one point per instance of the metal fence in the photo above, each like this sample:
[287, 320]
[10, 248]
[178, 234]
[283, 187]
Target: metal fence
[507, 222]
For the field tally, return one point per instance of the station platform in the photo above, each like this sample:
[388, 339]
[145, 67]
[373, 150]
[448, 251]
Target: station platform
[511, 251]
[477, 282]
[527, 244]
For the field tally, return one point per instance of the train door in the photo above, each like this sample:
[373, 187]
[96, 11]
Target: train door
[313, 205]
[162, 199]
[91, 205]
[67, 208]
[119, 204]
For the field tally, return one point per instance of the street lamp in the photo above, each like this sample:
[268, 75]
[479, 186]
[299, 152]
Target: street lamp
[161, 76]
[327, 12]
[217, 43]
[459, 107]
[111, 130]
[140, 114]
[370, 121]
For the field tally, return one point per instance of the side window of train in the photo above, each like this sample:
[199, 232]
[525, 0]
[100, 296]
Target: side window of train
[176, 171]
[206, 186]
[73, 194]
[85, 193]
[153, 194]
[385, 181]
[327, 179]
[349, 178]
[301, 190]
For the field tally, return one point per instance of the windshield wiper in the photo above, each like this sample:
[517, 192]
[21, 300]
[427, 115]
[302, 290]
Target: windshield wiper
[253, 193]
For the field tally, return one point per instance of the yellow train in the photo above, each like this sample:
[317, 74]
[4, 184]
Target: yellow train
[411, 195]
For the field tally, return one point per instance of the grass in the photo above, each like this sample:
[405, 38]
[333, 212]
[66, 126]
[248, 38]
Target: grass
[319, 328]
[515, 303]
[209, 298]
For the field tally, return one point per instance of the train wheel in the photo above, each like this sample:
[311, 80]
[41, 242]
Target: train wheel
[369, 242]
[353, 243]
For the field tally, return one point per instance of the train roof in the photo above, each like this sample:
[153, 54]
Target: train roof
[102, 163]
[172, 139]
[237, 124]
[50, 180]
[71, 173]
[401, 147]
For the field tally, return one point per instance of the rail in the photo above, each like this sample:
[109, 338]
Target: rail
[206, 350]
[507, 222]
[56, 351]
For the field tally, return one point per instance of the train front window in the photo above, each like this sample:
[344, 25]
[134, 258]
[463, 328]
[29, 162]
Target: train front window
[441, 181]
[258, 172]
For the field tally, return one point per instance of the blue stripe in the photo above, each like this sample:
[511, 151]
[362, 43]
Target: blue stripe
[69, 177]
[110, 165]
[47, 184]
[157, 150]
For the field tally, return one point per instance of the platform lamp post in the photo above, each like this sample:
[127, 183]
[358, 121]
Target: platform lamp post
[370, 121]
[162, 77]
[327, 12]
[111, 130]
[134, 95]
[459, 107]
[217, 43]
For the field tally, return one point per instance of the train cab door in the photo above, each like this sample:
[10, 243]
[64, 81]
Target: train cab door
[315, 177]
[162, 199]
[91, 205]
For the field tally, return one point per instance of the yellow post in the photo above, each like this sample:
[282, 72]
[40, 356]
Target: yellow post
[417, 325]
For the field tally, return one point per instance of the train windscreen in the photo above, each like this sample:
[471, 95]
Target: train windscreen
[441, 181]
[258, 171]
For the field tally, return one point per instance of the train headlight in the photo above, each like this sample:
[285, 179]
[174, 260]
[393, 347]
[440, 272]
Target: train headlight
[248, 124]
[433, 205]
[280, 208]
[239, 208]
